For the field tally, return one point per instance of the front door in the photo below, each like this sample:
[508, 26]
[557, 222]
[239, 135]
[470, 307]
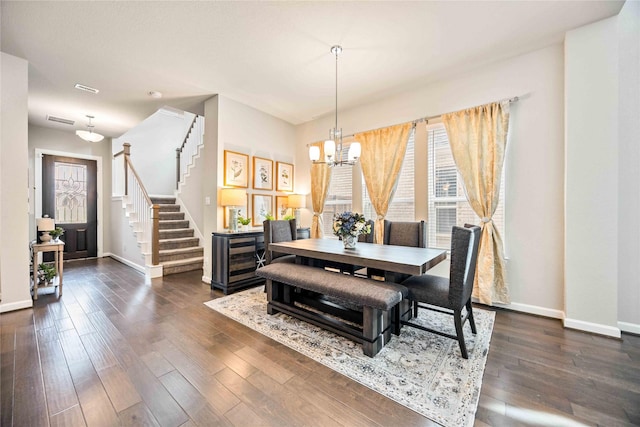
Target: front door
[69, 194]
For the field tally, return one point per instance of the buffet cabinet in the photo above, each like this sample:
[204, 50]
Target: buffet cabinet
[236, 256]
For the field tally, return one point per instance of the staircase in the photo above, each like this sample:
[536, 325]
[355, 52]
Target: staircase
[179, 250]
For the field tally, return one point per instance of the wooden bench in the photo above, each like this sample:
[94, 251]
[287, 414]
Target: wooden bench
[310, 293]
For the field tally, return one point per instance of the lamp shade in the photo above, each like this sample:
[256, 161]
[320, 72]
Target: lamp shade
[233, 197]
[46, 224]
[329, 148]
[354, 151]
[314, 153]
[296, 201]
[89, 136]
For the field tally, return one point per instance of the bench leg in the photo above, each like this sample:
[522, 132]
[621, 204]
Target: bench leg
[376, 330]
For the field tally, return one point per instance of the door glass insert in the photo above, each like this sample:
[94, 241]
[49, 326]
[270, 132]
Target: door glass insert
[71, 193]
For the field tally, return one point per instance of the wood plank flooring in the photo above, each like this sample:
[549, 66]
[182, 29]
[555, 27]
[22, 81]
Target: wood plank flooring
[116, 351]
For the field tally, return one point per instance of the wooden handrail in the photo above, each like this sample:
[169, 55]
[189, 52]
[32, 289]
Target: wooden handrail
[181, 149]
[135, 174]
[193, 122]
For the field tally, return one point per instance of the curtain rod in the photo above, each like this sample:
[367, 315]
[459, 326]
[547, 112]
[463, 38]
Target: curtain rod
[426, 119]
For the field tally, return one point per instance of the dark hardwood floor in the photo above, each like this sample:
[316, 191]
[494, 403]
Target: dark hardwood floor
[114, 351]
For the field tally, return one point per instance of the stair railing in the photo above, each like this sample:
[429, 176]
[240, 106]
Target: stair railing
[147, 213]
[189, 148]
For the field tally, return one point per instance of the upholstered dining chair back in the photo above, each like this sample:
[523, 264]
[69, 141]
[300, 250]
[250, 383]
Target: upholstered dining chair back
[276, 231]
[405, 233]
[464, 257]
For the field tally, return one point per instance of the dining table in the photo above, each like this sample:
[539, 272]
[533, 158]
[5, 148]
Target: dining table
[388, 258]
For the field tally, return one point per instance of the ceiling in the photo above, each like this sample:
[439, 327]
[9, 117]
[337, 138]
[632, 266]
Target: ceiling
[273, 56]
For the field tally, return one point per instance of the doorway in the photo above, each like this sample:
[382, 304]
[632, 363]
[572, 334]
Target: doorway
[69, 194]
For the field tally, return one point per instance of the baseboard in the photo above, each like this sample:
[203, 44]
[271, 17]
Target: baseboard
[18, 305]
[530, 309]
[133, 265]
[595, 328]
[206, 279]
[629, 327]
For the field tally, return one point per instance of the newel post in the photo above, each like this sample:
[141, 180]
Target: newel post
[126, 148]
[155, 238]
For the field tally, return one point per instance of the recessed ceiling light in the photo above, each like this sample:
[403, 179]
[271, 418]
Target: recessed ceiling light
[86, 88]
[155, 94]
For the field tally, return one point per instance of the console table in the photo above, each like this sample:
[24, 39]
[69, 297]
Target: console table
[58, 249]
[236, 256]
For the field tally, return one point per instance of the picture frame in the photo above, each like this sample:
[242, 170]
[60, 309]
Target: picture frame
[236, 169]
[262, 173]
[284, 176]
[262, 205]
[242, 211]
[281, 207]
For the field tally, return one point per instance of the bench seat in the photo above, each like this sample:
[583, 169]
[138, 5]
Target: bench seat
[379, 301]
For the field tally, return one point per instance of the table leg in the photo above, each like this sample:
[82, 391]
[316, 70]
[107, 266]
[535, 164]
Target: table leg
[60, 263]
[35, 275]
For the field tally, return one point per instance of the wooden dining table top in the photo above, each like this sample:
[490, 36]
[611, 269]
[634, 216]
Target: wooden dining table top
[397, 259]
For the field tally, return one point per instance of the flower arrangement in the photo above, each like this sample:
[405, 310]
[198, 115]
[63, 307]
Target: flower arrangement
[350, 224]
[244, 220]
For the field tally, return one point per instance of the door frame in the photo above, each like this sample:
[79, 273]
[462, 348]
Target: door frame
[38, 185]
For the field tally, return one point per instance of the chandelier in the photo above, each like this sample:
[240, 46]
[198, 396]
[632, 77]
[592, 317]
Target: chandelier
[333, 147]
[89, 135]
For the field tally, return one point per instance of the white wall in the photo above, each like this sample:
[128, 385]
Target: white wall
[591, 178]
[534, 164]
[629, 168]
[153, 148]
[123, 244]
[61, 142]
[245, 130]
[14, 191]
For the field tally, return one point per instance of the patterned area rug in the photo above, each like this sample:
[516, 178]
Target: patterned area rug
[419, 370]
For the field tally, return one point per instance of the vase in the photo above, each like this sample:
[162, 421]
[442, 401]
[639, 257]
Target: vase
[349, 241]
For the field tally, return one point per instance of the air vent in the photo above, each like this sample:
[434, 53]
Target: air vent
[86, 88]
[60, 120]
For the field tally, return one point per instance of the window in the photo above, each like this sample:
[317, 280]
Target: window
[448, 205]
[402, 206]
[339, 195]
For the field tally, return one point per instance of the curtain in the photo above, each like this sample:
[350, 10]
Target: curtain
[381, 160]
[478, 138]
[320, 180]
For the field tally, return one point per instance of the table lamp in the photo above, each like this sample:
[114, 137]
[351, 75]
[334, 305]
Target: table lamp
[233, 198]
[45, 224]
[295, 202]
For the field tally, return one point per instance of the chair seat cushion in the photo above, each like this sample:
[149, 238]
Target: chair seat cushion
[428, 289]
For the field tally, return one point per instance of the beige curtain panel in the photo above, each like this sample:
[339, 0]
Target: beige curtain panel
[478, 138]
[381, 160]
[320, 180]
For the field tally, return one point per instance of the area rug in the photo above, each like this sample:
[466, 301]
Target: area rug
[419, 370]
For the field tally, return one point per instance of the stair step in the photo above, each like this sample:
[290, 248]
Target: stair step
[180, 254]
[164, 216]
[160, 200]
[169, 208]
[180, 242]
[170, 224]
[173, 267]
[176, 233]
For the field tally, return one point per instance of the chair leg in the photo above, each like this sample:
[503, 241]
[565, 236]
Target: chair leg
[415, 309]
[472, 322]
[457, 317]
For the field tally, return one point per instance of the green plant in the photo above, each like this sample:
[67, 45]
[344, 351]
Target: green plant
[244, 221]
[46, 272]
[59, 231]
[289, 217]
[269, 216]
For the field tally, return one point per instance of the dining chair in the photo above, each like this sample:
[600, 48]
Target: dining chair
[276, 231]
[450, 295]
[401, 233]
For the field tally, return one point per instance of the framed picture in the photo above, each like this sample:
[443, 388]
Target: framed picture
[262, 173]
[284, 179]
[281, 207]
[262, 205]
[242, 211]
[236, 169]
